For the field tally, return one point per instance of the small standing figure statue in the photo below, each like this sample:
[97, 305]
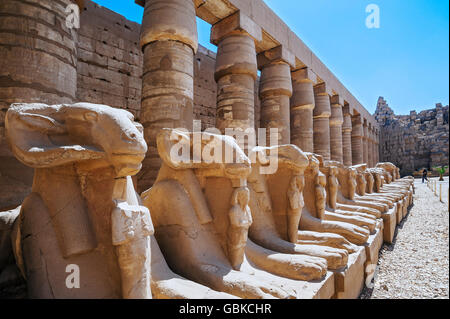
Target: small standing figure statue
[131, 231]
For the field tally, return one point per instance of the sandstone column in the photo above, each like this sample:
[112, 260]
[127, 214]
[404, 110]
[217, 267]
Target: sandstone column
[321, 125]
[236, 71]
[377, 147]
[374, 146]
[169, 42]
[365, 145]
[38, 60]
[336, 121]
[302, 106]
[347, 137]
[275, 91]
[369, 146]
[357, 144]
[372, 140]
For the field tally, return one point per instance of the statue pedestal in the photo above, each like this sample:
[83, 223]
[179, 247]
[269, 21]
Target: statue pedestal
[390, 222]
[373, 247]
[400, 211]
[323, 289]
[405, 206]
[314, 289]
[349, 282]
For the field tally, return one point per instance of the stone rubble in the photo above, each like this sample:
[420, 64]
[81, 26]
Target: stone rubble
[415, 141]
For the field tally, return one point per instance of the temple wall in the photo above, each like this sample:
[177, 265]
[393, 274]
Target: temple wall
[110, 65]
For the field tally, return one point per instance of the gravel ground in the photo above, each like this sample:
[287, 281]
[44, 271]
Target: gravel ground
[415, 266]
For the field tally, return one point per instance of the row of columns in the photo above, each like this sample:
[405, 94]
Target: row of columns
[305, 114]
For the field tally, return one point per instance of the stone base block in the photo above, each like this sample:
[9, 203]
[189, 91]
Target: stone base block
[399, 212]
[390, 223]
[373, 247]
[323, 289]
[314, 289]
[349, 281]
[405, 207]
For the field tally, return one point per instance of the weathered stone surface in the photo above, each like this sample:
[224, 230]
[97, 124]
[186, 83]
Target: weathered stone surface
[205, 239]
[110, 60]
[236, 72]
[169, 20]
[357, 140]
[302, 106]
[84, 210]
[67, 217]
[415, 141]
[277, 203]
[365, 143]
[322, 113]
[347, 140]
[38, 61]
[313, 215]
[336, 121]
[169, 42]
[275, 92]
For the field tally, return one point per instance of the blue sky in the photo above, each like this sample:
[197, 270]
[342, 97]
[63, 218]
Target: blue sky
[406, 60]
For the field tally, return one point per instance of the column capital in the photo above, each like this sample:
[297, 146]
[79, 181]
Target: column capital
[322, 101]
[337, 118]
[337, 100]
[347, 124]
[322, 89]
[357, 129]
[365, 130]
[279, 54]
[237, 23]
[169, 20]
[304, 75]
[275, 80]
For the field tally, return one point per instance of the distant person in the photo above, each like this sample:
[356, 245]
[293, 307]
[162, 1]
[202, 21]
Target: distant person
[424, 175]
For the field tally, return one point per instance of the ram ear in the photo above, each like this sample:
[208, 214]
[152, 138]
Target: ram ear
[41, 123]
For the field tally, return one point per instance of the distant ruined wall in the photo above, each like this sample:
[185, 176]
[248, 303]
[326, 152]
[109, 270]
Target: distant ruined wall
[415, 141]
